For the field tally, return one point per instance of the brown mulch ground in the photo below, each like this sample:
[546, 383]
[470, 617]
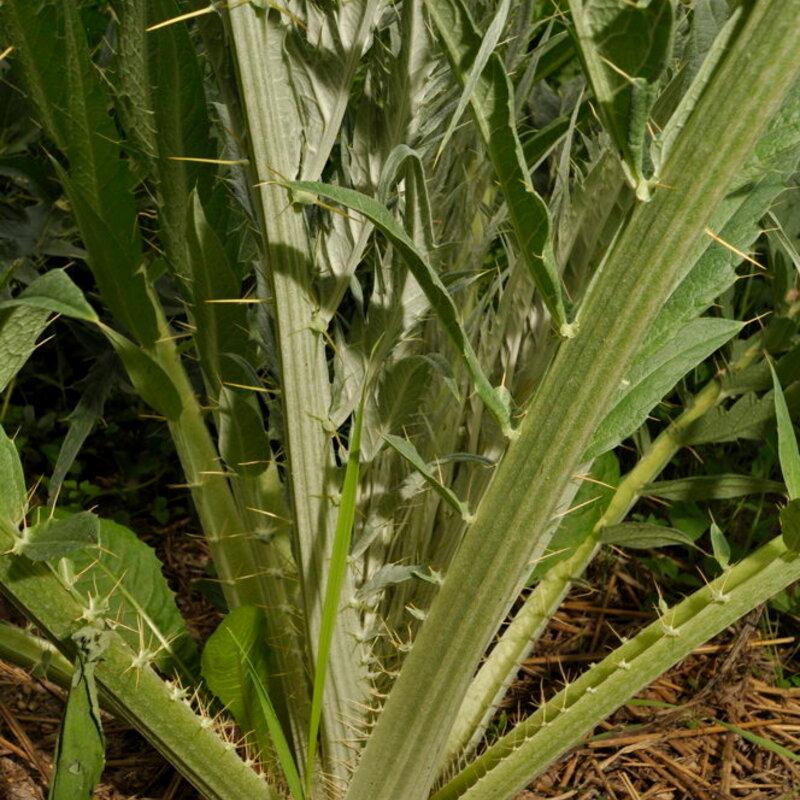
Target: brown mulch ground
[673, 748]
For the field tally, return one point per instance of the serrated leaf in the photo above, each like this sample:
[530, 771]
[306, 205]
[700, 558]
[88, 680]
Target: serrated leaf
[712, 487]
[13, 497]
[790, 525]
[654, 373]
[397, 401]
[757, 377]
[124, 576]
[492, 104]
[54, 291]
[788, 452]
[19, 329]
[407, 450]
[55, 538]
[643, 536]
[385, 576]
[430, 282]
[147, 376]
[625, 47]
[747, 418]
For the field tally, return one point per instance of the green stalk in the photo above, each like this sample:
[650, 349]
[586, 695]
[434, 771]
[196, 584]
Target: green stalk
[533, 744]
[133, 690]
[501, 665]
[647, 261]
[274, 136]
[228, 539]
[33, 653]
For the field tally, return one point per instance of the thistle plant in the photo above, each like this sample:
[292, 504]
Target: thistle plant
[398, 279]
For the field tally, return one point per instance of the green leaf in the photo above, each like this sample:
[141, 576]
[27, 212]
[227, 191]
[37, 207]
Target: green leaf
[712, 487]
[80, 751]
[470, 81]
[748, 418]
[19, 329]
[118, 266]
[388, 575]
[590, 503]
[710, 37]
[760, 741]
[123, 579]
[234, 661]
[790, 525]
[492, 104]
[337, 573]
[643, 535]
[148, 377]
[243, 441]
[55, 538]
[625, 48]
[720, 546]
[402, 162]
[407, 450]
[654, 372]
[788, 452]
[13, 497]
[436, 292]
[54, 291]
[73, 104]
[737, 222]
[83, 418]
[221, 327]
[402, 385]
[180, 113]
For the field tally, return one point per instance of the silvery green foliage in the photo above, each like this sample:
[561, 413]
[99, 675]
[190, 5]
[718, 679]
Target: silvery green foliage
[428, 295]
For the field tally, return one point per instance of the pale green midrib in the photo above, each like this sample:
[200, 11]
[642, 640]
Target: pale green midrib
[402, 754]
[305, 390]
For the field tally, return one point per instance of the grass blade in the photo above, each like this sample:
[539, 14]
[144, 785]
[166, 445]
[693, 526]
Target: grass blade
[337, 571]
[788, 452]
[761, 741]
